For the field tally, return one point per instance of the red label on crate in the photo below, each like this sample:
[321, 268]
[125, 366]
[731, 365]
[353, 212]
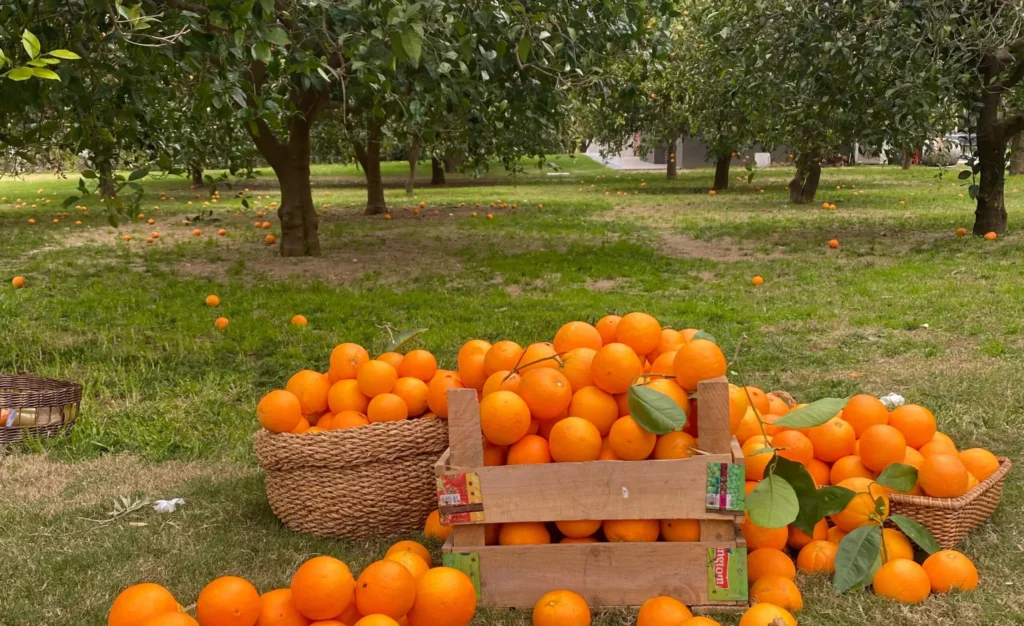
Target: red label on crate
[721, 568]
[458, 499]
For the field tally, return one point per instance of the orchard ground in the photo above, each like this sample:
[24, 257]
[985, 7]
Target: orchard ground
[902, 305]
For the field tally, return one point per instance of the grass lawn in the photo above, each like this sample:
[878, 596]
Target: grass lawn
[169, 406]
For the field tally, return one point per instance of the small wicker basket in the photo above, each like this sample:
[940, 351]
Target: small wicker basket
[950, 520]
[34, 407]
[375, 480]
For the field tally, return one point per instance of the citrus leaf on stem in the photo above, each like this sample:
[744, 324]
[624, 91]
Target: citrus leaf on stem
[856, 557]
[403, 338]
[916, 532]
[898, 477]
[814, 414]
[806, 493]
[705, 335]
[832, 500]
[654, 411]
[773, 503]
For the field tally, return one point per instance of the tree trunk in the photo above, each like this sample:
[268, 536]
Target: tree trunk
[908, 159]
[412, 152]
[369, 158]
[804, 185]
[452, 161]
[299, 222]
[436, 172]
[105, 171]
[990, 214]
[722, 172]
[1017, 154]
[671, 173]
[197, 175]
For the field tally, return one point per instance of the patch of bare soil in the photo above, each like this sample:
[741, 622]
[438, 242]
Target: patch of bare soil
[680, 246]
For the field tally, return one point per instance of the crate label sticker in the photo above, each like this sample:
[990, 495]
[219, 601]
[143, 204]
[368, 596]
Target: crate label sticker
[459, 500]
[468, 563]
[727, 574]
[725, 487]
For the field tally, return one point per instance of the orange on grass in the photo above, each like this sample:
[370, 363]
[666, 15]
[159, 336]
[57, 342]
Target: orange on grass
[413, 393]
[504, 355]
[184, 619]
[444, 597]
[578, 529]
[212, 301]
[662, 611]
[434, 529]
[765, 614]
[777, 590]
[222, 232]
[538, 356]
[672, 390]
[757, 281]
[277, 609]
[794, 446]
[991, 236]
[347, 419]
[345, 361]
[393, 359]
[576, 366]
[698, 360]
[674, 445]
[596, 406]
[760, 537]
[385, 588]
[902, 580]
[18, 282]
[299, 320]
[639, 331]
[228, 601]
[279, 411]
[377, 619]
[943, 476]
[897, 546]
[523, 534]
[270, 240]
[574, 439]
[411, 561]
[322, 587]
[769, 562]
[948, 570]
[631, 530]
[680, 530]
[504, 418]
[915, 422]
[757, 399]
[577, 335]
[861, 508]
[437, 391]
[411, 546]
[630, 441]
[530, 450]
[418, 364]
[832, 440]
[311, 388]
[615, 366]
[546, 391]
[387, 407]
[818, 557]
[138, 603]
[798, 538]
[376, 377]
[561, 608]
[607, 327]
[850, 467]
[980, 462]
[820, 472]
[836, 534]
[863, 412]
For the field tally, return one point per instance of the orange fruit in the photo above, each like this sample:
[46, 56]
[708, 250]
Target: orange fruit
[574, 439]
[631, 530]
[777, 590]
[413, 392]
[279, 411]
[897, 546]
[595, 406]
[820, 472]
[503, 355]
[503, 380]
[698, 360]
[345, 361]
[322, 588]
[546, 391]
[347, 419]
[494, 455]
[758, 456]
[798, 538]
[376, 377]
[385, 588]
[311, 388]
[680, 530]
[942, 437]
[639, 331]
[387, 407]
[270, 239]
[538, 356]
[578, 529]
[577, 335]
[471, 363]
[738, 405]
[530, 450]
[437, 391]
[629, 441]
[138, 603]
[794, 446]
[818, 557]
[943, 476]
[607, 327]
[411, 561]
[444, 597]
[434, 529]
[523, 534]
[670, 340]
[504, 418]
[672, 390]
[344, 395]
[902, 580]
[212, 301]
[228, 601]
[277, 609]
[937, 446]
[749, 426]
[411, 546]
[915, 422]
[663, 365]
[18, 282]
[850, 467]
[576, 366]
[377, 619]
[765, 614]
[297, 320]
[701, 621]
[864, 411]
[777, 405]
[913, 457]
[757, 399]
[184, 619]
[221, 323]
[663, 611]
[861, 508]
[622, 401]
[393, 359]
[614, 368]
[836, 534]
[769, 562]
[760, 537]
[948, 570]
[832, 440]
[561, 608]
[418, 364]
[991, 236]
[674, 445]
[980, 462]
[302, 427]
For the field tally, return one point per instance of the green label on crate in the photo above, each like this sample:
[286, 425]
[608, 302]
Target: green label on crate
[726, 487]
[727, 574]
[469, 564]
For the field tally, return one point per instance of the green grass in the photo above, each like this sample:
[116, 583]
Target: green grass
[901, 306]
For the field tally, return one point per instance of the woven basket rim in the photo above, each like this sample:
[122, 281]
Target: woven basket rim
[1005, 465]
[349, 433]
[41, 389]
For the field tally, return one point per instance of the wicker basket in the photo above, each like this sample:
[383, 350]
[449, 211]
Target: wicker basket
[376, 480]
[34, 407]
[952, 519]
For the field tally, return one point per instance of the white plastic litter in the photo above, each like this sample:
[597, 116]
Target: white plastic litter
[893, 400]
[167, 506]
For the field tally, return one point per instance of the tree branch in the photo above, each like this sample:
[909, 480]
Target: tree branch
[1012, 125]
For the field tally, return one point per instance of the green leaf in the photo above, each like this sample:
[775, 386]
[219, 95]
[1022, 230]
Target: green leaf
[832, 500]
[706, 336]
[69, 201]
[654, 411]
[20, 73]
[139, 173]
[972, 191]
[112, 219]
[856, 557]
[806, 493]
[90, 174]
[403, 338]
[268, 7]
[814, 414]
[916, 532]
[277, 36]
[261, 51]
[45, 74]
[898, 477]
[964, 174]
[773, 503]
[412, 44]
[60, 53]
[31, 43]
[523, 49]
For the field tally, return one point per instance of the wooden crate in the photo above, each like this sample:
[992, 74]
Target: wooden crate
[709, 574]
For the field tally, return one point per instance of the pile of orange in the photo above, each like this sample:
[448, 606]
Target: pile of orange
[357, 391]
[402, 588]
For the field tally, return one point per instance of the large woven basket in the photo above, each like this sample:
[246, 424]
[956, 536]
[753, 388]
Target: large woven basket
[375, 480]
[950, 520]
[34, 407]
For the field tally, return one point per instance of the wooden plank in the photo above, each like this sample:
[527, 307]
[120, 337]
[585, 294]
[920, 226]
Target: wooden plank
[713, 408]
[717, 531]
[441, 466]
[468, 536]
[464, 435]
[737, 451]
